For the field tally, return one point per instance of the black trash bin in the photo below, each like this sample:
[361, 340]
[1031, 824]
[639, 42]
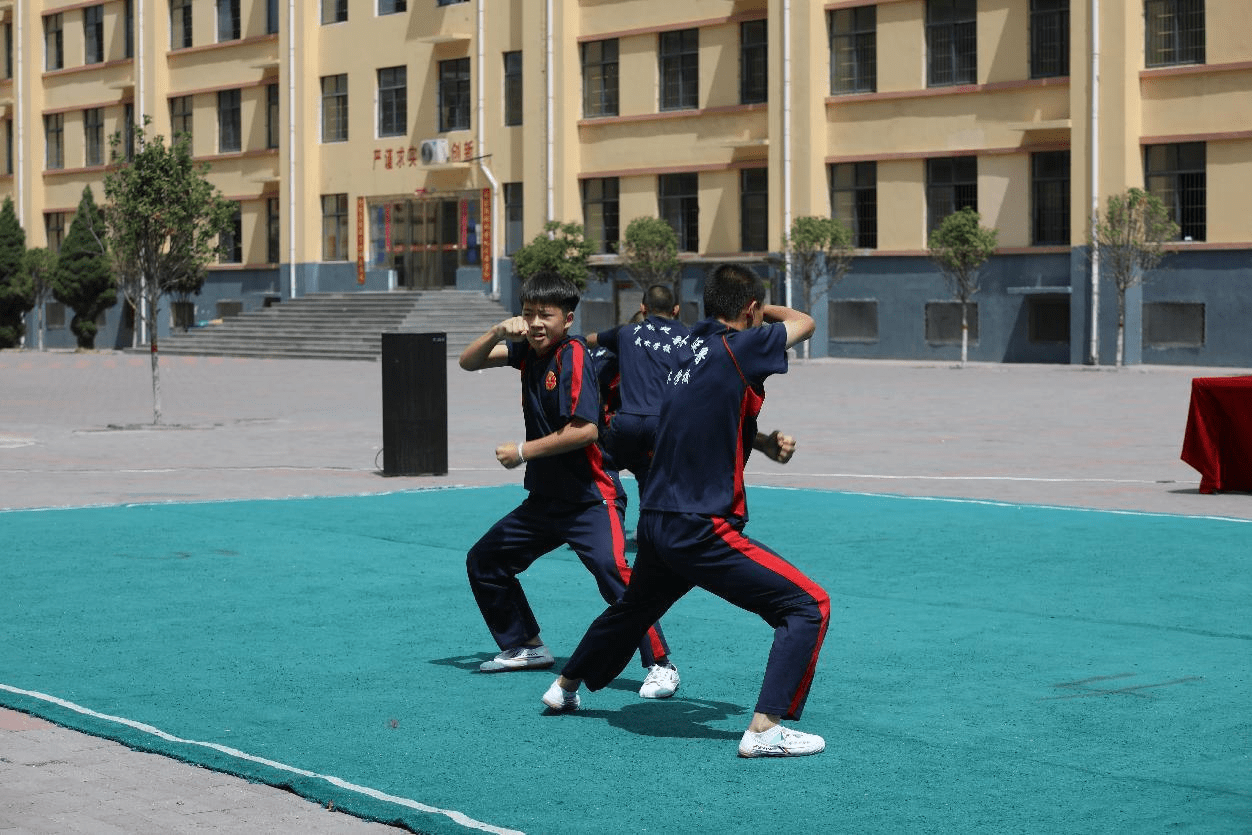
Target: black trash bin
[415, 403]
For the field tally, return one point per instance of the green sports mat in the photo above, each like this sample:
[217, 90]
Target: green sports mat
[988, 668]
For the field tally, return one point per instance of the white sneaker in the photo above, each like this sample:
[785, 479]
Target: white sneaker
[519, 658]
[558, 698]
[661, 683]
[780, 741]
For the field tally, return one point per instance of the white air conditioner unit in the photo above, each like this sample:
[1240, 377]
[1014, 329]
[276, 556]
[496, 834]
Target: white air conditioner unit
[434, 151]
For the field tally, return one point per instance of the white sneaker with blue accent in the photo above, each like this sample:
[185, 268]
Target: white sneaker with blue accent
[780, 741]
[661, 682]
[519, 658]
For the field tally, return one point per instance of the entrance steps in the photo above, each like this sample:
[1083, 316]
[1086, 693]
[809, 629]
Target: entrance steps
[345, 326]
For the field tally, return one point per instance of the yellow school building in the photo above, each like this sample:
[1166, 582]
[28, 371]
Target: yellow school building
[415, 144]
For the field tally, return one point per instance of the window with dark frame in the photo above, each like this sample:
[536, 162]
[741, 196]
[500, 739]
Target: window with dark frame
[8, 146]
[228, 21]
[271, 17]
[1049, 38]
[678, 204]
[128, 130]
[852, 320]
[181, 117]
[53, 42]
[334, 227]
[601, 217]
[335, 108]
[128, 23]
[334, 11]
[273, 231]
[8, 50]
[943, 322]
[753, 62]
[951, 42]
[229, 121]
[1174, 30]
[454, 94]
[450, 2]
[754, 210]
[230, 242]
[853, 50]
[1177, 175]
[386, 7]
[854, 200]
[180, 24]
[1173, 324]
[679, 56]
[951, 185]
[1049, 190]
[512, 89]
[54, 230]
[93, 136]
[393, 101]
[273, 122]
[54, 141]
[599, 64]
[93, 35]
[1047, 319]
[513, 205]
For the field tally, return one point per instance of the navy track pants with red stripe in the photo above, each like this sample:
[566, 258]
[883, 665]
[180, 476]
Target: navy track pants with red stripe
[678, 551]
[595, 532]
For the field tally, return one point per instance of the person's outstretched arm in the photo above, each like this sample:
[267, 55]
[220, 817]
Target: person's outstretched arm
[489, 350]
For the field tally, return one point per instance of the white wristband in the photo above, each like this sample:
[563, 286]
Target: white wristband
[520, 456]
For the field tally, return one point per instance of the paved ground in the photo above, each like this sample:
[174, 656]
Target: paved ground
[77, 429]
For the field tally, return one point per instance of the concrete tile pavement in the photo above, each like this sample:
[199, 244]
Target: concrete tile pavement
[76, 429]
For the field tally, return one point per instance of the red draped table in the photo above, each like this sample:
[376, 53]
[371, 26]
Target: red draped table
[1218, 442]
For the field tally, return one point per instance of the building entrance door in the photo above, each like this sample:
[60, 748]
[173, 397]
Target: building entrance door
[423, 242]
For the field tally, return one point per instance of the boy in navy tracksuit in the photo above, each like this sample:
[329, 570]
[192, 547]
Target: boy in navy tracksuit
[693, 511]
[647, 353]
[573, 498]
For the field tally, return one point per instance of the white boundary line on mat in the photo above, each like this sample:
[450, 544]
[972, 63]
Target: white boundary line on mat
[458, 817]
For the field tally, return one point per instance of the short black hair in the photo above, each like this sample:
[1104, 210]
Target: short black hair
[552, 288]
[729, 290]
[659, 299]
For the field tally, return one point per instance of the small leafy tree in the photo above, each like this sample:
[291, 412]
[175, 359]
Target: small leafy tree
[15, 293]
[650, 254]
[39, 266]
[819, 252]
[561, 248]
[1130, 238]
[83, 279]
[165, 220]
[959, 247]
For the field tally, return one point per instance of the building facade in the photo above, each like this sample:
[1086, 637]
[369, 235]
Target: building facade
[378, 144]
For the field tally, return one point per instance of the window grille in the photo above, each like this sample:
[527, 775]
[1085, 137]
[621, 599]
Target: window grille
[951, 42]
[943, 322]
[679, 205]
[853, 50]
[601, 212]
[454, 94]
[680, 69]
[1049, 38]
[854, 200]
[853, 320]
[393, 104]
[753, 62]
[1175, 32]
[1176, 174]
[1173, 325]
[951, 185]
[754, 210]
[599, 59]
[1050, 196]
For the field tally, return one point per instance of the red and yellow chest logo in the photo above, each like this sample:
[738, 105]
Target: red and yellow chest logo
[549, 382]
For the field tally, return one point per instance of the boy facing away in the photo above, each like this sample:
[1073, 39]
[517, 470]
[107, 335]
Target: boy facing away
[572, 499]
[693, 511]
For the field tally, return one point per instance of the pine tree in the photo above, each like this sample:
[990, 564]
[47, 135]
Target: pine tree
[15, 292]
[83, 280]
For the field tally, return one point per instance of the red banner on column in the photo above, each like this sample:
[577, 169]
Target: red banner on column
[485, 243]
[360, 240]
